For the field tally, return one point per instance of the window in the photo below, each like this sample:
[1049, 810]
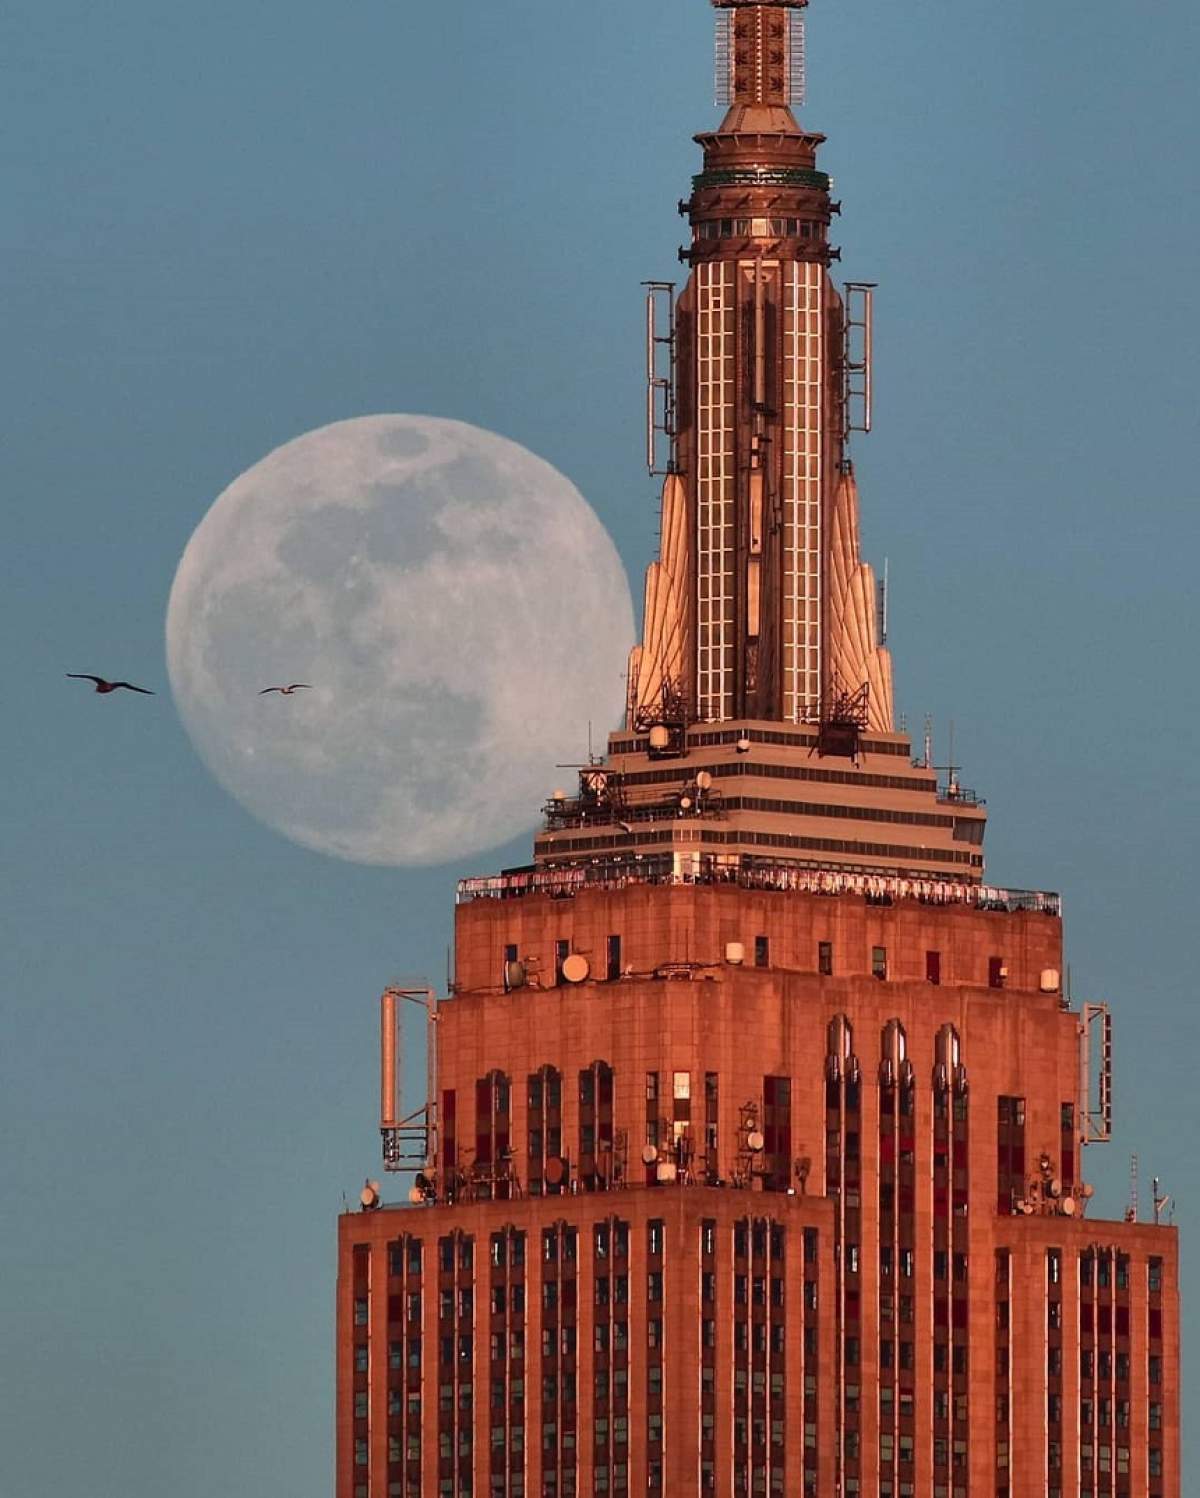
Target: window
[997, 972]
[933, 967]
[879, 962]
[762, 951]
[825, 958]
[562, 950]
[612, 969]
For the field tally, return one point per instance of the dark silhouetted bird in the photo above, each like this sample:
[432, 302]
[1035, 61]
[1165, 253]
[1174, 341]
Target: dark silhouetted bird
[286, 691]
[109, 686]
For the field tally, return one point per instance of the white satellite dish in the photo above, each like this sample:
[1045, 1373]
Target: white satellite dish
[704, 780]
[649, 1155]
[755, 1141]
[575, 967]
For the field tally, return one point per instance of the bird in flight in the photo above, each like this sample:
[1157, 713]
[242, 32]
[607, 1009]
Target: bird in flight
[287, 691]
[109, 686]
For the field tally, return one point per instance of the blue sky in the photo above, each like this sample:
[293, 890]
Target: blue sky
[221, 226]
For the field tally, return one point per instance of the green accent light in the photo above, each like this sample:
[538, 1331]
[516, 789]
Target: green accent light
[762, 177]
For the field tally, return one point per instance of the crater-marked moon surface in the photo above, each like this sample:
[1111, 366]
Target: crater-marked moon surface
[457, 607]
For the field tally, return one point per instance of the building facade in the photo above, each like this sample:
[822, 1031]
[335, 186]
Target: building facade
[754, 1155]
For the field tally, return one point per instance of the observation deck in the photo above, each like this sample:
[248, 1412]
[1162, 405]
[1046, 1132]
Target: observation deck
[701, 802]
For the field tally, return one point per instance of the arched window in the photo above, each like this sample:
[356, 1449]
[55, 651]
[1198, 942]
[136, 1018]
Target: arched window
[544, 1133]
[492, 1169]
[596, 1164]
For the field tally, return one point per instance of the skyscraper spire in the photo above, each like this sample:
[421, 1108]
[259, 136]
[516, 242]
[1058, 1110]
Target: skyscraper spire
[759, 602]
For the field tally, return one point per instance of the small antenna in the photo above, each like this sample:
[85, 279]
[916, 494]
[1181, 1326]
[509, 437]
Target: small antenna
[660, 375]
[927, 760]
[883, 604]
[951, 768]
[1161, 1203]
[1131, 1211]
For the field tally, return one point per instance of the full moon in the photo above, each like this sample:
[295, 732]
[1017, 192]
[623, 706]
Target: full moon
[456, 609]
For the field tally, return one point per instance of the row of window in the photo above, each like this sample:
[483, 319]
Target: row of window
[997, 968]
[758, 228]
[750, 838]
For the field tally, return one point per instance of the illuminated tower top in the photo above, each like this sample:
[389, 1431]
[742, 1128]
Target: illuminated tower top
[759, 605]
[763, 650]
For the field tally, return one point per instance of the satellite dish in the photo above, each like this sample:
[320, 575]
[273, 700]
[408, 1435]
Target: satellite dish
[575, 968]
[1049, 980]
[416, 1195]
[685, 802]
[660, 738]
[649, 1154]
[735, 953]
[1069, 1208]
[755, 1141]
[515, 974]
[704, 780]
[556, 1171]
[1055, 1188]
[558, 794]
[369, 1196]
[1087, 1190]
[743, 745]
[666, 1171]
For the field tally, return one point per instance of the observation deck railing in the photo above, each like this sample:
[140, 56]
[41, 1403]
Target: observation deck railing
[566, 880]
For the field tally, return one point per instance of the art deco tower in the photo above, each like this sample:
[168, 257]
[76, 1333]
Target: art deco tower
[752, 1155]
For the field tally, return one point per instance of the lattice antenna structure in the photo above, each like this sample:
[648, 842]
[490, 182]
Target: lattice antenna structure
[410, 1140]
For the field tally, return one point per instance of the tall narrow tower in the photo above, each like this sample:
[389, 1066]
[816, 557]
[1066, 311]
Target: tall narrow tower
[752, 1156]
[771, 614]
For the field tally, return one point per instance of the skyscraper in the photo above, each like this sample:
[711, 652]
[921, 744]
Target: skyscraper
[752, 1160]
